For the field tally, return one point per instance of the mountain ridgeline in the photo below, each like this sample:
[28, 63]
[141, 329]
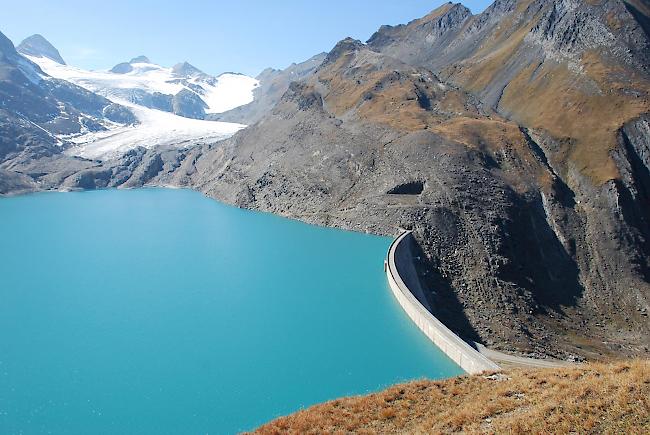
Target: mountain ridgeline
[515, 144]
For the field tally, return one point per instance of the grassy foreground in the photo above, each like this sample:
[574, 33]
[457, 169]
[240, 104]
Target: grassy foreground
[592, 398]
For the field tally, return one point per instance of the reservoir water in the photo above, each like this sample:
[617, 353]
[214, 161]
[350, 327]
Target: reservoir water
[164, 312]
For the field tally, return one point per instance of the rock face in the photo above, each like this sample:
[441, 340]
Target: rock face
[37, 45]
[140, 59]
[122, 68]
[188, 104]
[515, 143]
[152, 100]
[425, 40]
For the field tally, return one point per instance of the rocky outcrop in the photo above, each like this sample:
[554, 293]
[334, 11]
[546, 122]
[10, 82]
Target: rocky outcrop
[152, 100]
[119, 114]
[37, 45]
[140, 59]
[189, 105]
[425, 40]
[122, 68]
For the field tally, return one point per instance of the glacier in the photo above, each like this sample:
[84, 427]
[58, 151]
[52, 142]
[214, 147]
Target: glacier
[155, 127]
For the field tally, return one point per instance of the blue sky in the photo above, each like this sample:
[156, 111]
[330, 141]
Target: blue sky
[217, 36]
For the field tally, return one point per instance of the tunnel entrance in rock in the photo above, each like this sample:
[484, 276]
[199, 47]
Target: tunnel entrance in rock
[410, 188]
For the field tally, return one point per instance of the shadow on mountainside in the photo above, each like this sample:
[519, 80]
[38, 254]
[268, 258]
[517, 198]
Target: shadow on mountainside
[540, 263]
[441, 297]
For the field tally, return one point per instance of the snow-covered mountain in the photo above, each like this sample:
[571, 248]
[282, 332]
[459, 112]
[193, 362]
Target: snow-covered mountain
[182, 89]
[38, 110]
[170, 104]
[37, 45]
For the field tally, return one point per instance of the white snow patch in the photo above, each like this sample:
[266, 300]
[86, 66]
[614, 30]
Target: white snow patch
[230, 91]
[28, 69]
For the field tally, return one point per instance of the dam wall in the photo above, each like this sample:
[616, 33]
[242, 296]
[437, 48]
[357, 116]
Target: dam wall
[400, 271]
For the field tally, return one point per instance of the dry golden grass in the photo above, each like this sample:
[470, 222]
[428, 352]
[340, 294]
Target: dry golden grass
[436, 13]
[503, 140]
[383, 90]
[378, 95]
[487, 63]
[595, 398]
[484, 67]
[585, 123]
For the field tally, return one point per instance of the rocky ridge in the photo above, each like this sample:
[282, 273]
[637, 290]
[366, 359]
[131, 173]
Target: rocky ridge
[37, 45]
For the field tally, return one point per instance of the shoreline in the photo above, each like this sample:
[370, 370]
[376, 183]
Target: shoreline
[303, 219]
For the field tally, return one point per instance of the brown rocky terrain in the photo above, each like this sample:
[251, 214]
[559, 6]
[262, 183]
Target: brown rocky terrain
[515, 143]
[574, 76]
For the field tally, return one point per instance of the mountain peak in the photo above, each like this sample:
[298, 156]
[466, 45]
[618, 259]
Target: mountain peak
[122, 68]
[447, 17]
[185, 69]
[342, 47]
[37, 45]
[445, 9]
[125, 67]
[140, 59]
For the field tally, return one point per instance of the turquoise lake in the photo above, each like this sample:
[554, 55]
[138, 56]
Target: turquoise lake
[161, 311]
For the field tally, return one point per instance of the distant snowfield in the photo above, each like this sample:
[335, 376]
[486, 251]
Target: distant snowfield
[227, 92]
[156, 127]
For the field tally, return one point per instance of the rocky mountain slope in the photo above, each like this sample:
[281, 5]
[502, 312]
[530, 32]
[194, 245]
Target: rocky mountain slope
[515, 143]
[574, 75]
